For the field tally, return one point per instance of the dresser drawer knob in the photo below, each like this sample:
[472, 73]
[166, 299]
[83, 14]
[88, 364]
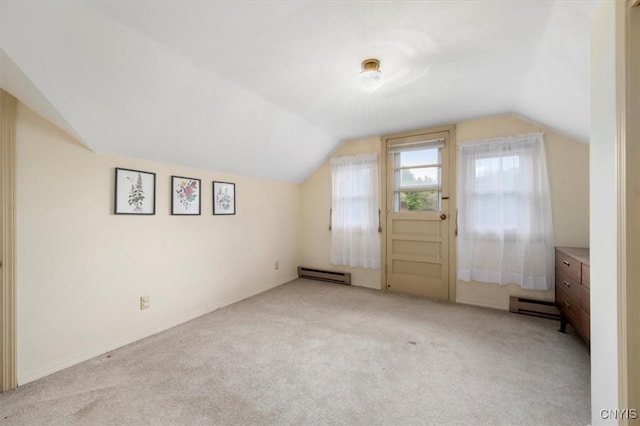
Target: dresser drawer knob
[567, 304]
[566, 283]
[565, 262]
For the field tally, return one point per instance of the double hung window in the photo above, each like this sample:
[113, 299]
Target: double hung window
[355, 216]
[505, 228]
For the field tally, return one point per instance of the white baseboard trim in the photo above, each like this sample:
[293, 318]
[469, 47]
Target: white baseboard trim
[482, 303]
[31, 376]
[103, 349]
[375, 286]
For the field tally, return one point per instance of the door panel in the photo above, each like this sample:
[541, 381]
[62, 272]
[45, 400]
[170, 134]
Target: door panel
[417, 258]
[407, 267]
[427, 249]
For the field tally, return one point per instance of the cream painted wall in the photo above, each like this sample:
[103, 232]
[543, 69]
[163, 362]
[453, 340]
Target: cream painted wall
[316, 202]
[82, 269]
[568, 168]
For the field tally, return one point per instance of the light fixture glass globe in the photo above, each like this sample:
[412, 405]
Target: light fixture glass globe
[370, 80]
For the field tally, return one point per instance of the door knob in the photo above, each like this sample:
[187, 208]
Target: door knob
[443, 216]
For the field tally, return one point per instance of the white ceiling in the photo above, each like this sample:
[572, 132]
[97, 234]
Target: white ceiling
[269, 88]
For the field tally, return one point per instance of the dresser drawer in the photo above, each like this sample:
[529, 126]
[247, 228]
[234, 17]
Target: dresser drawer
[585, 325]
[569, 285]
[572, 289]
[570, 308]
[569, 266]
[585, 299]
[585, 275]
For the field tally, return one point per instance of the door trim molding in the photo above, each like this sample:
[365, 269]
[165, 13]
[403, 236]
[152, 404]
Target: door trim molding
[8, 370]
[453, 213]
[628, 99]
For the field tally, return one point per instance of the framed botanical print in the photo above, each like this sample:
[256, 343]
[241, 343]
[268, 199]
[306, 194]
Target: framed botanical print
[224, 198]
[135, 192]
[185, 196]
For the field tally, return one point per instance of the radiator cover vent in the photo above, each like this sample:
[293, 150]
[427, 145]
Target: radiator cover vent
[324, 275]
[537, 308]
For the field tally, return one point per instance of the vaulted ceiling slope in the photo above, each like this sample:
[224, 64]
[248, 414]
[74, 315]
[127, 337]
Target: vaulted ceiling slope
[270, 88]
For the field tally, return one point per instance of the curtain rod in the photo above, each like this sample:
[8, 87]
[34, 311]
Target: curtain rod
[486, 141]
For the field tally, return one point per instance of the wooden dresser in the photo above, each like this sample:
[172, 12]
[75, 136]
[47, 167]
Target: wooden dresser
[572, 289]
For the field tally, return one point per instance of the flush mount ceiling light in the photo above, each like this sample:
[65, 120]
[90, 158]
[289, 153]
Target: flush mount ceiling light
[371, 76]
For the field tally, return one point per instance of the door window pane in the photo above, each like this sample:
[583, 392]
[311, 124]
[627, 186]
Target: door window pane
[417, 201]
[420, 157]
[418, 177]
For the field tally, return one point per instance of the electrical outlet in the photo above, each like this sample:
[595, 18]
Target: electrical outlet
[276, 265]
[145, 302]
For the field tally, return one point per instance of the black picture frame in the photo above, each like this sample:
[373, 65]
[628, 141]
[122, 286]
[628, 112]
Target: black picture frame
[224, 198]
[135, 192]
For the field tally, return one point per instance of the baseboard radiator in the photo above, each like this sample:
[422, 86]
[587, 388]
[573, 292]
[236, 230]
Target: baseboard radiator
[324, 275]
[537, 308]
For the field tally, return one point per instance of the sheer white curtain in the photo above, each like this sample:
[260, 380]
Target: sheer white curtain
[504, 205]
[354, 224]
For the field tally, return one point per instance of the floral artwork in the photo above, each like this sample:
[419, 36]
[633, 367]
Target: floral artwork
[135, 192]
[185, 196]
[224, 198]
[187, 192]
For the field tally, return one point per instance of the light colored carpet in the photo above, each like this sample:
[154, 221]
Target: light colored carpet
[309, 352]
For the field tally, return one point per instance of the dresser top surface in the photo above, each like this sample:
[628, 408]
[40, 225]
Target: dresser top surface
[581, 254]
